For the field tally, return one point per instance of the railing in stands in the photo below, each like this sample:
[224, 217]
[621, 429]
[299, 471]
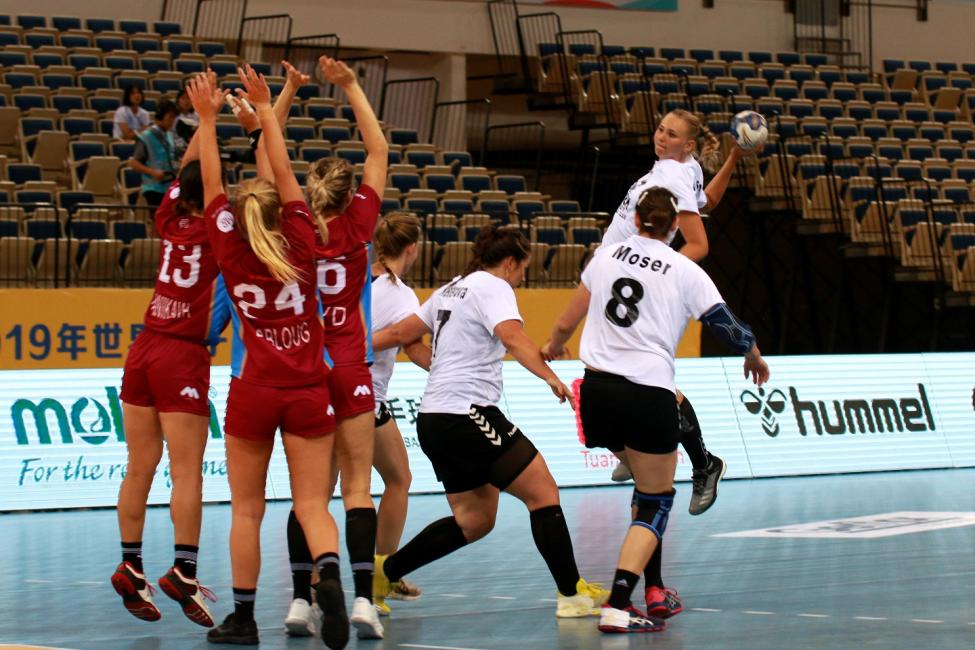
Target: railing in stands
[460, 125]
[410, 104]
[303, 52]
[507, 39]
[265, 38]
[516, 146]
[217, 19]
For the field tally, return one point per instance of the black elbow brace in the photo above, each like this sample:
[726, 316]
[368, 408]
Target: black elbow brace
[734, 333]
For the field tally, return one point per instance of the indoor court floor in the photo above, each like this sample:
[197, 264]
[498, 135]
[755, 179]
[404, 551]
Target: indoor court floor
[880, 582]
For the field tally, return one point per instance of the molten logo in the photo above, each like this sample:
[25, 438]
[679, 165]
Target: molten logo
[361, 390]
[189, 391]
[768, 405]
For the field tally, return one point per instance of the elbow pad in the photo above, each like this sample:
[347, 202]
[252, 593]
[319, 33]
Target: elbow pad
[732, 332]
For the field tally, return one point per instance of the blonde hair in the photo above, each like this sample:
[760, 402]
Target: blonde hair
[328, 183]
[706, 144]
[258, 207]
[394, 233]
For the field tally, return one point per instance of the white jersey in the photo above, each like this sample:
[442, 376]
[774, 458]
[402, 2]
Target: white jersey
[643, 294]
[685, 180]
[391, 303]
[466, 366]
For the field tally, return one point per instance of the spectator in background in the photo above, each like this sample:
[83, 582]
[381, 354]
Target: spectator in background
[186, 122]
[130, 118]
[155, 154]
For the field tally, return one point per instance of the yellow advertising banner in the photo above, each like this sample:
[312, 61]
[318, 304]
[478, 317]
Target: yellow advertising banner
[93, 328]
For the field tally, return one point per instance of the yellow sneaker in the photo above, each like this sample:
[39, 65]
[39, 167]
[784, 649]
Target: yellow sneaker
[381, 586]
[594, 590]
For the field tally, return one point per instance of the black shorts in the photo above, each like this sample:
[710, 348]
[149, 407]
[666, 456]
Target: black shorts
[383, 414]
[618, 413]
[470, 451]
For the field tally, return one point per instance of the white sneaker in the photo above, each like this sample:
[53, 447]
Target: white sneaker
[302, 619]
[366, 620]
[621, 473]
[575, 606]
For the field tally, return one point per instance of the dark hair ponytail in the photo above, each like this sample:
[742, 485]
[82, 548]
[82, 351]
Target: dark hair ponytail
[190, 189]
[493, 245]
[657, 210]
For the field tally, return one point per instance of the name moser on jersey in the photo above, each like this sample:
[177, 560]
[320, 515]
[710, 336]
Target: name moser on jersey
[625, 253]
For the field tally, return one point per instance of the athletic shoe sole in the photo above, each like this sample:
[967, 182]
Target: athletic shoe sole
[663, 611]
[724, 468]
[190, 607]
[297, 627]
[335, 619]
[236, 640]
[612, 629]
[139, 608]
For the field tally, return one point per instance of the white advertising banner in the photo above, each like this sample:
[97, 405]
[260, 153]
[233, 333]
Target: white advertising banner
[62, 441]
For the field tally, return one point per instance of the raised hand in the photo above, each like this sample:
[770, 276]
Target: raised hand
[551, 353]
[296, 77]
[205, 96]
[336, 72]
[255, 87]
[244, 112]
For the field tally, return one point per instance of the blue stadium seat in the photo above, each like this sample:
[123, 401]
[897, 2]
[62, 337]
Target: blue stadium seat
[421, 206]
[126, 231]
[164, 28]
[439, 183]
[354, 156]
[25, 101]
[475, 182]
[457, 206]
[110, 43]
[421, 158]
[64, 23]
[389, 205]
[100, 24]
[671, 53]
[210, 48]
[29, 21]
[65, 103]
[405, 182]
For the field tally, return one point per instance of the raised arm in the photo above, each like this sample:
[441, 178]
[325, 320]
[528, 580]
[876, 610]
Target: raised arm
[410, 329]
[258, 94]
[566, 324]
[512, 335]
[295, 80]
[716, 188]
[207, 100]
[377, 151]
[695, 237]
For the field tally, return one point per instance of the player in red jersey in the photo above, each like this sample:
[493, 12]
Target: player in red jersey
[343, 270]
[164, 396]
[265, 245]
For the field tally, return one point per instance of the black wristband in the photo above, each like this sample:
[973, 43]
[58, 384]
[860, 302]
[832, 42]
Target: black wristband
[255, 137]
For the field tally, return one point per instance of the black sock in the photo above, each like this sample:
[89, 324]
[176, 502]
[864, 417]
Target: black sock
[132, 553]
[327, 565]
[552, 540]
[360, 540]
[244, 604]
[300, 558]
[623, 584]
[690, 436]
[651, 574]
[186, 560]
[440, 538]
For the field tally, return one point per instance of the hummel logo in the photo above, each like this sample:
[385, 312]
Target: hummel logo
[361, 389]
[191, 392]
[485, 427]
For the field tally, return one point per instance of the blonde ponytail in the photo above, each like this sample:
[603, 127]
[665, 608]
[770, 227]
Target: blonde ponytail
[707, 148]
[259, 207]
[328, 183]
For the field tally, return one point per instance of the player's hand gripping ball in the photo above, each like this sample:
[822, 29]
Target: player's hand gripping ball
[750, 129]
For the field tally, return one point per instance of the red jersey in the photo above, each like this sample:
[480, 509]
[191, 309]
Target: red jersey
[183, 298]
[281, 330]
[343, 268]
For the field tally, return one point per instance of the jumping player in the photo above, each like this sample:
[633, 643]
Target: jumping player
[637, 297]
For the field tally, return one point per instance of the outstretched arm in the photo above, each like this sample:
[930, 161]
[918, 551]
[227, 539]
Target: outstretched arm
[512, 335]
[403, 333]
[377, 150]
[207, 100]
[716, 188]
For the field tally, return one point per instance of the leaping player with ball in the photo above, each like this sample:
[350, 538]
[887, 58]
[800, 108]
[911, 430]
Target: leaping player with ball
[683, 145]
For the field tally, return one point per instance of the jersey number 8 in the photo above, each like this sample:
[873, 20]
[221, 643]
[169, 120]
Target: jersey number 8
[621, 309]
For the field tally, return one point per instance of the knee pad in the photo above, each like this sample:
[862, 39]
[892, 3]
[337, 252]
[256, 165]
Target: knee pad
[653, 511]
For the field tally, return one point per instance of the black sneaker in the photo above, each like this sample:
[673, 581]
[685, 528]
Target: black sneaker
[335, 619]
[234, 632]
[705, 482]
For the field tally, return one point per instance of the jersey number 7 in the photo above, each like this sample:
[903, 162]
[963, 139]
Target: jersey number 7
[443, 315]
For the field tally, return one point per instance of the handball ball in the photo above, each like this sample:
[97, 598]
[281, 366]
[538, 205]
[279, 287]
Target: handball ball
[749, 129]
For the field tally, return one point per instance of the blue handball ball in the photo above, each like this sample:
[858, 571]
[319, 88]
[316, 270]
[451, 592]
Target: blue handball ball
[750, 129]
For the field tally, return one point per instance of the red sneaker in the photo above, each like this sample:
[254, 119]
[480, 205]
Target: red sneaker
[190, 595]
[136, 592]
[663, 603]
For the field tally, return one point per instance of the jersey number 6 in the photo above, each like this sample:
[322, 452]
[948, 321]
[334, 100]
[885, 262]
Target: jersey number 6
[621, 309]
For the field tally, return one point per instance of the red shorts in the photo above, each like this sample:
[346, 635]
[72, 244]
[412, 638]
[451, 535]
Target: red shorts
[168, 374]
[351, 390]
[255, 412]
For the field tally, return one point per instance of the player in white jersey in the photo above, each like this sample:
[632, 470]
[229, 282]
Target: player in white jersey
[475, 451]
[395, 245]
[637, 297]
[683, 144]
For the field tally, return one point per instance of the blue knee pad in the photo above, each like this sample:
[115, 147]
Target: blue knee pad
[652, 511]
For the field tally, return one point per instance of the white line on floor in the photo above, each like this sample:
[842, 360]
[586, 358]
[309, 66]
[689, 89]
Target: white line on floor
[90, 582]
[814, 615]
[433, 647]
[704, 609]
[453, 595]
[759, 612]
[39, 582]
[502, 597]
[870, 618]
[924, 620]
[555, 600]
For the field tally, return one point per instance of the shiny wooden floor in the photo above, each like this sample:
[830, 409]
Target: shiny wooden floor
[902, 591]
